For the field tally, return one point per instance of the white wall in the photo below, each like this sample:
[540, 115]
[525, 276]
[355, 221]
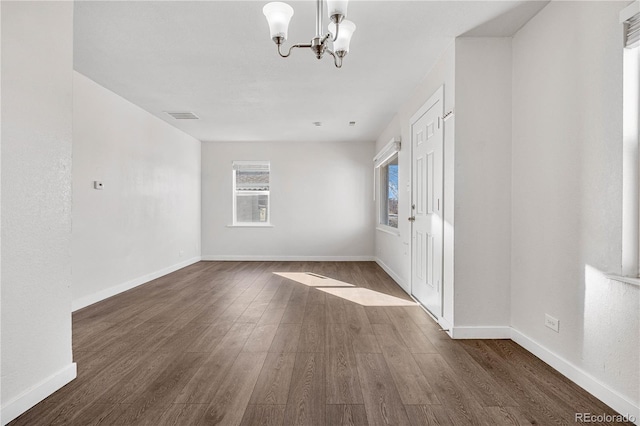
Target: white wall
[482, 182]
[37, 47]
[536, 170]
[394, 252]
[566, 199]
[146, 220]
[476, 74]
[0, 214]
[321, 202]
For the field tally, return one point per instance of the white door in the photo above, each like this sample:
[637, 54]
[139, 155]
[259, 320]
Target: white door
[426, 209]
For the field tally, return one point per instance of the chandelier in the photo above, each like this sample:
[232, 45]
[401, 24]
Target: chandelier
[340, 30]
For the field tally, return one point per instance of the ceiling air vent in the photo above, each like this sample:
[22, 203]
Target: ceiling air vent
[183, 115]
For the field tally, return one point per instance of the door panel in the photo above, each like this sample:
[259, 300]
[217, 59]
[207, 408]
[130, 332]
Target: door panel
[420, 182]
[420, 253]
[430, 256]
[430, 188]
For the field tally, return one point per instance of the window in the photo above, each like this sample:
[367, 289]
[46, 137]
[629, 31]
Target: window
[251, 185]
[630, 17]
[389, 193]
[386, 166]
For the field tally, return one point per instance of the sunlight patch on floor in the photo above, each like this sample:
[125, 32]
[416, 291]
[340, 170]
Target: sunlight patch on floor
[366, 297]
[346, 291]
[313, 280]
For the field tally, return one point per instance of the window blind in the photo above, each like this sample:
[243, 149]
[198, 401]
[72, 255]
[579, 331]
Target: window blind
[386, 153]
[251, 166]
[632, 31]
[251, 175]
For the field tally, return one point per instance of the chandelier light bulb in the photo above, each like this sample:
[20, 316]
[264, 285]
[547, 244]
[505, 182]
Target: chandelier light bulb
[337, 9]
[278, 16]
[345, 31]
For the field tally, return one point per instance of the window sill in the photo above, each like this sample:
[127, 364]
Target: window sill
[628, 280]
[250, 225]
[388, 230]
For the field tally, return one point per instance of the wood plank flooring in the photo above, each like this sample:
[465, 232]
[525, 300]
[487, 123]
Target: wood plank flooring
[233, 343]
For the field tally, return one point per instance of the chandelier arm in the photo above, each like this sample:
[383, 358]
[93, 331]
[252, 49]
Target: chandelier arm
[291, 48]
[335, 59]
[337, 31]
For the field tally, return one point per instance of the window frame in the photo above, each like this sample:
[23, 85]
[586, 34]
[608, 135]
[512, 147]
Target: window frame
[235, 193]
[383, 192]
[631, 149]
[386, 155]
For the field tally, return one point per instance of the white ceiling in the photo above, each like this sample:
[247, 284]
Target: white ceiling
[215, 58]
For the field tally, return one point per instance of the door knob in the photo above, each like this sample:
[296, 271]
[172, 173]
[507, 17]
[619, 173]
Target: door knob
[412, 219]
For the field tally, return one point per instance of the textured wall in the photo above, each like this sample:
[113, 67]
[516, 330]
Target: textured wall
[147, 217]
[567, 201]
[36, 195]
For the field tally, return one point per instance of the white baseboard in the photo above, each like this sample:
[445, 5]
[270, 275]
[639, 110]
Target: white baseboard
[37, 393]
[574, 373]
[85, 301]
[268, 258]
[393, 275]
[577, 375]
[480, 332]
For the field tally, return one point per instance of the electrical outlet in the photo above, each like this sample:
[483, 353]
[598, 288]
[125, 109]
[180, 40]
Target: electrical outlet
[552, 323]
[180, 253]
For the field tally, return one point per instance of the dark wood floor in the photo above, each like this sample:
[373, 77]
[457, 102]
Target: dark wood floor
[232, 343]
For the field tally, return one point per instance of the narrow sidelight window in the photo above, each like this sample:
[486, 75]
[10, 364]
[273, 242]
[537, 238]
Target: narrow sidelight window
[389, 192]
[386, 187]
